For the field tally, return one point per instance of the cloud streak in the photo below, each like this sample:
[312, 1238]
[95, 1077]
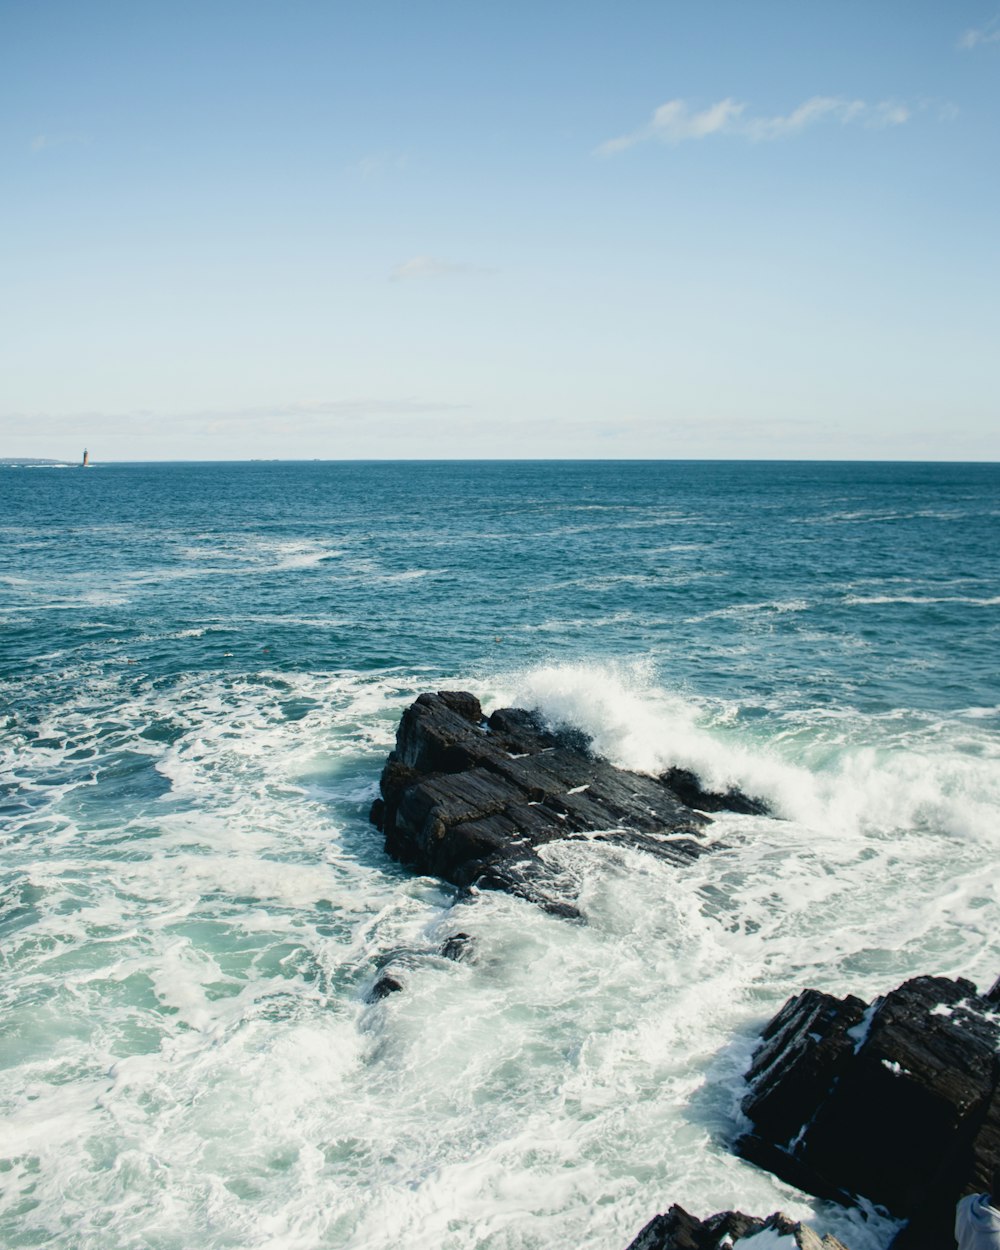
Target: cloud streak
[973, 37]
[45, 143]
[377, 164]
[283, 411]
[418, 267]
[676, 122]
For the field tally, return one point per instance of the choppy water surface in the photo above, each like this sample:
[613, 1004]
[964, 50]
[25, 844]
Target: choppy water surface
[203, 669]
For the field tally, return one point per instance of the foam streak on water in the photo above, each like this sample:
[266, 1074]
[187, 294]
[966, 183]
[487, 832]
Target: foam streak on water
[194, 907]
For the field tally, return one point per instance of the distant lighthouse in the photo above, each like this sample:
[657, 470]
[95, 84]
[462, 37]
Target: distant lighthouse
[86, 459]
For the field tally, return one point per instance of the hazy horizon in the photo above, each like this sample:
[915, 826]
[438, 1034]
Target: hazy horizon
[443, 231]
[57, 462]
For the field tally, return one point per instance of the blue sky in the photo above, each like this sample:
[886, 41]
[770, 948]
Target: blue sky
[306, 229]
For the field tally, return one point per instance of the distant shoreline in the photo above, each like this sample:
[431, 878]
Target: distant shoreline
[39, 462]
[32, 462]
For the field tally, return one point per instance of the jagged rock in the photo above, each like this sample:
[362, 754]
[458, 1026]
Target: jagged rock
[471, 800]
[689, 790]
[897, 1101]
[677, 1230]
[457, 946]
[383, 987]
[394, 964]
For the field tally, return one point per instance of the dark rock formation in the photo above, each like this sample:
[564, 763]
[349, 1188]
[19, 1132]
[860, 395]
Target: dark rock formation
[393, 966]
[677, 1230]
[471, 800]
[898, 1102]
[383, 987]
[689, 790]
[457, 946]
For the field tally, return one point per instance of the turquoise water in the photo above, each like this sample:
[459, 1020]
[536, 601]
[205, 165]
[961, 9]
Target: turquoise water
[203, 666]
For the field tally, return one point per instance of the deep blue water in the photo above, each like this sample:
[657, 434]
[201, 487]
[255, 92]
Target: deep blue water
[202, 667]
[870, 583]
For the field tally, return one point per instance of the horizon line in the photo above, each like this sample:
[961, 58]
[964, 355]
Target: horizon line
[53, 462]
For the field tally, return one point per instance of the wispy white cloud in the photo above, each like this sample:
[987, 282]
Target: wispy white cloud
[337, 428]
[974, 36]
[873, 116]
[675, 121]
[299, 412]
[432, 267]
[377, 164]
[320, 408]
[43, 142]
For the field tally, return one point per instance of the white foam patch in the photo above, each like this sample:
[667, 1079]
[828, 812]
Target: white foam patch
[748, 609]
[923, 600]
[190, 1057]
[766, 1239]
[825, 773]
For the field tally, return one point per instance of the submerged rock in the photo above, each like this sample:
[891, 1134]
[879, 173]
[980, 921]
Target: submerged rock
[458, 946]
[471, 800]
[383, 987]
[677, 1230]
[393, 967]
[897, 1101]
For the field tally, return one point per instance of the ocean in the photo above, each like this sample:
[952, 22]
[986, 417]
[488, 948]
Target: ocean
[203, 667]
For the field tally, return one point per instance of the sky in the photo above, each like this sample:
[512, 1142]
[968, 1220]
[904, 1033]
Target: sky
[680, 229]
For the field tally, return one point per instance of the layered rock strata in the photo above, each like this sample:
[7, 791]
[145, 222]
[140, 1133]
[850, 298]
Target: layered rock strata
[896, 1101]
[677, 1230]
[472, 799]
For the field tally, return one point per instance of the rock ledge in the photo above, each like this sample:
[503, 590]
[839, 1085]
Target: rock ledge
[897, 1100]
[677, 1230]
[472, 799]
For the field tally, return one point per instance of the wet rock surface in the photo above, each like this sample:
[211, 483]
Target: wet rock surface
[459, 946]
[896, 1101]
[393, 967]
[689, 790]
[677, 1230]
[383, 987]
[472, 799]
